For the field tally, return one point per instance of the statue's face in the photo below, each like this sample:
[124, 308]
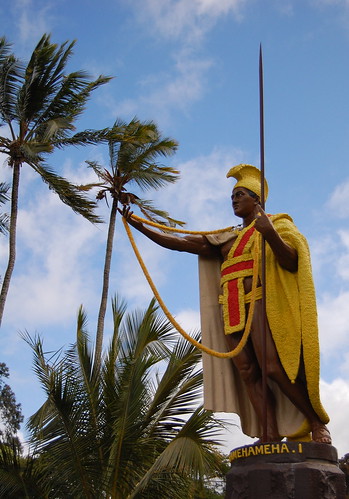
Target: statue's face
[243, 203]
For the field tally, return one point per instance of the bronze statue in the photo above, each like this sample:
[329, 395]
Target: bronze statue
[294, 408]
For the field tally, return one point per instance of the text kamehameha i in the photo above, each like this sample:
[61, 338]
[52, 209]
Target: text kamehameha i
[263, 450]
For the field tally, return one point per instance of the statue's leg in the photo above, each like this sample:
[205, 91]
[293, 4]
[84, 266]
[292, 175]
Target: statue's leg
[247, 365]
[296, 392]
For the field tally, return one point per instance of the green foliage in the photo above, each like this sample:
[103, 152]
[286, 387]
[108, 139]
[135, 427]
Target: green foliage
[11, 461]
[21, 476]
[10, 412]
[133, 429]
[134, 151]
[40, 104]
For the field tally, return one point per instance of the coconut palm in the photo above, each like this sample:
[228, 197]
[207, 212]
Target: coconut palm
[133, 429]
[39, 104]
[134, 160]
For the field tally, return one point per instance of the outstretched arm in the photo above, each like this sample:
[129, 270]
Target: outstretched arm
[195, 244]
[284, 253]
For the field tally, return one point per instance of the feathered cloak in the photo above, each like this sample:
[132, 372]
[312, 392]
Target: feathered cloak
[292, 318]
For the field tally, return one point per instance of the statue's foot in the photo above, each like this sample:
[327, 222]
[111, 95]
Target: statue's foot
[269, 438]
[321, 435]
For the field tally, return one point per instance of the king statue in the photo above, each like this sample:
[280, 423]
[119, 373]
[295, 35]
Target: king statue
[226, 265]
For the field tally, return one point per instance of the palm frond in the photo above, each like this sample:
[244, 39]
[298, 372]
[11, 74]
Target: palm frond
[179, 388]
[134, 150]
[49, 101]
[137, 163]
[5, 49]
[52, 129]
[96, 167]
[60, 424]
[67, 105]
[32, 151]
[5, 144]
[119, 307]
[85, 360]
[40, 81]
[146, 334]
[11, 72]
[155, 215]
[87, 137]
[4, 223]
[68, 193]
[4, 197]
[189, 453]
[20, 475]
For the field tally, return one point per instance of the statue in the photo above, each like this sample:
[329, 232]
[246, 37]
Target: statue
[294, 409]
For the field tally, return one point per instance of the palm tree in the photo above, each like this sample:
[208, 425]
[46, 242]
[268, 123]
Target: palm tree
[133, 429]
[134, 160]
[39, 105]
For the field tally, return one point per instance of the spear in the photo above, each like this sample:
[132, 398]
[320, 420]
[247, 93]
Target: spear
[263, 273]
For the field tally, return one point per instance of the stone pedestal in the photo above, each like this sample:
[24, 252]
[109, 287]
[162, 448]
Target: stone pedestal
[282, 470]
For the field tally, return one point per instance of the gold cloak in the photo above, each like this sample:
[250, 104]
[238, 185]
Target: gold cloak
[292, 318]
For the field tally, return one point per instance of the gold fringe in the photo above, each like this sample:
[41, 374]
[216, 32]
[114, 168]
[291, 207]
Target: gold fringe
[183, 231]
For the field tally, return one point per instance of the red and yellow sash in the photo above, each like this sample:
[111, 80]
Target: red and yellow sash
[238, 265]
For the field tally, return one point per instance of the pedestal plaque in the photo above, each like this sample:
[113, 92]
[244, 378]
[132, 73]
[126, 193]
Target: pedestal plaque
[282, 470]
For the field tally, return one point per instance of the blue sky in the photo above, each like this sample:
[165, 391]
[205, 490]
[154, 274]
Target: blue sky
[192, 67]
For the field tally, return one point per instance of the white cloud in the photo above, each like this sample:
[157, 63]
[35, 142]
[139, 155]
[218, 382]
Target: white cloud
[52, 274]
[81, 173]
[182, 89]
[334, 324]
[202, 195]
[335, 202]
[322, 251]
[189, 319]
[335, 398]
[187, 21]
[128, 277]
[330, 3]
[285, 8]
[330, 259]
[55, 249]
[342, 262]
[26, 11]
[164, 93]
[345, 365]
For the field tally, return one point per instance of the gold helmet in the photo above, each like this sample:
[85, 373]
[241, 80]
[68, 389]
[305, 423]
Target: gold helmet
[249, 177]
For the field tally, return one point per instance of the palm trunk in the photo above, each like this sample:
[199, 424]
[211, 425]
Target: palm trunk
[105, 288]
[12, 238]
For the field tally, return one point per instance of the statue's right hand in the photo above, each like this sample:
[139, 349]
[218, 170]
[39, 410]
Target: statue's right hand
[126, 212]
